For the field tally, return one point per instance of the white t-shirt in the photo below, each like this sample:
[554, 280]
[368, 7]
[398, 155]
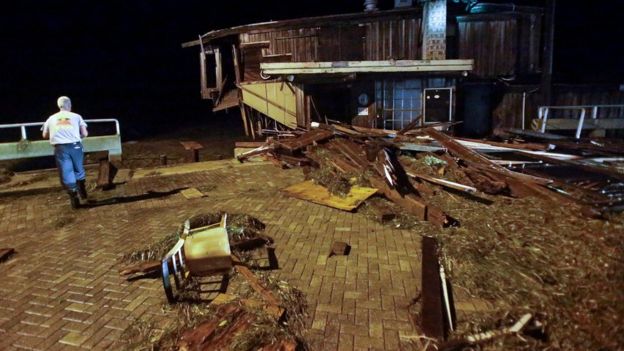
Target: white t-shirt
[64, 127]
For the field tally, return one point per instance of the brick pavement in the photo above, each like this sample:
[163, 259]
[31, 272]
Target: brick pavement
[62, 291]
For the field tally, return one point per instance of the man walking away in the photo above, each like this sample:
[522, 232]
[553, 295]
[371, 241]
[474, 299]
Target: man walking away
[65, 130]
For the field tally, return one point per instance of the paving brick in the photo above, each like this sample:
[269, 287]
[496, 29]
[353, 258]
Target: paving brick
[72, 292]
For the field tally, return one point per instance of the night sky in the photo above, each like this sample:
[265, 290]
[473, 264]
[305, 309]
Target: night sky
[123, 58]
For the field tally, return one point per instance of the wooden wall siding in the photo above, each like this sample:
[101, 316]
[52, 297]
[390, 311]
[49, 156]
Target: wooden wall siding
[385, 39]
[302, 43]
[393, 39]
[492, 44]
[342, 43]
[501, 44]
[530, 50]
[250, 64]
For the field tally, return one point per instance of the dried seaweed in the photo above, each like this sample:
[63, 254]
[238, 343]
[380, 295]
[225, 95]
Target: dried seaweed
[527, 255]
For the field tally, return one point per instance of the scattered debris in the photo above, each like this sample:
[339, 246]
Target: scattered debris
[473, 340]
[339, 248]
[256, 311]
[192, 193]
[106, 174]
[194, 148]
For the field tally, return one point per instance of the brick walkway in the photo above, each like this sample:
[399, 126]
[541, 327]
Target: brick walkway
[62, 291]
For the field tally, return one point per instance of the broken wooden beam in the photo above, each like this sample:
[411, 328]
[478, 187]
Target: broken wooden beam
[445, 183]
[308, 138]
[106, 173]
[249, 144]
[224, 298]
[257, 151]
[255, 284]
[432, 314]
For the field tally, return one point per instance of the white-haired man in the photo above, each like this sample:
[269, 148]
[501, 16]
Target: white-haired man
[66, 130]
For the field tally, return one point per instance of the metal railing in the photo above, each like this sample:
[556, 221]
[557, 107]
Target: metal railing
[544, 111]
[25, 148]
[22, 126]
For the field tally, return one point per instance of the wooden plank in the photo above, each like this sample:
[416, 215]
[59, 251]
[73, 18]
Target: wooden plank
[444, 183]
[318, 194]
[255, 284]
[410, 202]
[358, 64]
[431, 293]
[249, 144]
[350, 150]
[255, 44]
[272, 310]
[343, 67]
[237, 72]
[479, 161]
[191, 145]
[375, 131]
[306, 139]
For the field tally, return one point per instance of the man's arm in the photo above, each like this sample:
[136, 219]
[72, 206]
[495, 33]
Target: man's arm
[83, 128]
[45, 133]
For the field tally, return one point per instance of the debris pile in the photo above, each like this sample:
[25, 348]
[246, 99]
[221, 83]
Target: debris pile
[248, 310]
[540, 234]
[339, 157]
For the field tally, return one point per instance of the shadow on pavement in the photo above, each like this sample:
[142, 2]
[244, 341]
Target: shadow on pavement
[126, 199]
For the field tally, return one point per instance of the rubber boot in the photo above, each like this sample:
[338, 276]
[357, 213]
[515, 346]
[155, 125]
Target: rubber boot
[73, 199]
[82, 189]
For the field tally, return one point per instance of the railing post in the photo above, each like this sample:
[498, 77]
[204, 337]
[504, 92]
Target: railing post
[545, 119]
[23, 130]
[595, 112]
[579, 128]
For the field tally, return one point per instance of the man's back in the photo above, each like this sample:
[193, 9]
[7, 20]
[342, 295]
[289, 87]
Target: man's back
[64, 127]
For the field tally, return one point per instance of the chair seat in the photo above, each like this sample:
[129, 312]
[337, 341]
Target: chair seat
[207, 251]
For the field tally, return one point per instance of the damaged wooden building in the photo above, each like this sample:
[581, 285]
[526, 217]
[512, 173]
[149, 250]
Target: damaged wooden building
[486, 65]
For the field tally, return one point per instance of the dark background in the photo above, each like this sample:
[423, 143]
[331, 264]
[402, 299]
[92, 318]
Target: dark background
[123, 59]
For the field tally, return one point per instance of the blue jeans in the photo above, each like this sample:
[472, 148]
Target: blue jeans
[69, 162]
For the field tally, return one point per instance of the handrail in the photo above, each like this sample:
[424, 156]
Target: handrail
[23, 126]
[543, 111]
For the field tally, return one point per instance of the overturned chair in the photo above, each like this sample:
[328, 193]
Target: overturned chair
[200, 251]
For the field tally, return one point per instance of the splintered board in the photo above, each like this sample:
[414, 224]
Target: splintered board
[320, 195]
